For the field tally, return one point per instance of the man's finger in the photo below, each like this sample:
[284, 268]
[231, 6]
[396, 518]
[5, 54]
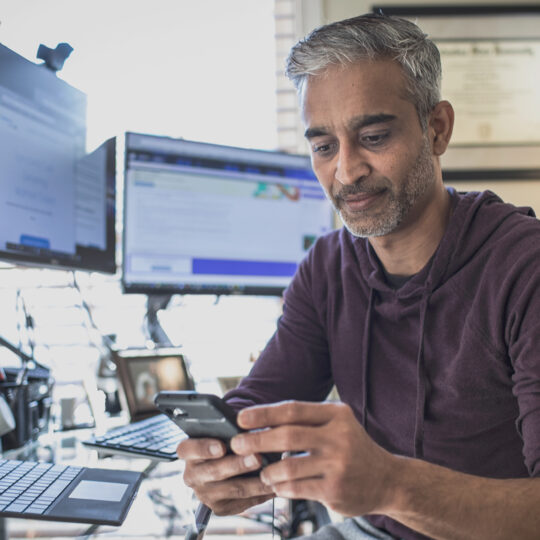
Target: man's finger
[228, 507]
[227, 467]
[309, 489]
[194, 449]
[288, 438]
[232, 488]
[294, 467]
[288, 412]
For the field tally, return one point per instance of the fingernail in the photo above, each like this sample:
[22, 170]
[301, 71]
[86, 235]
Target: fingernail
[237, 443]
[250, 461]
[243, 416]
[215, 449]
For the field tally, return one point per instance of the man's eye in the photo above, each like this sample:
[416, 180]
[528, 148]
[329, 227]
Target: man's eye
[321, 148]
[374, 139]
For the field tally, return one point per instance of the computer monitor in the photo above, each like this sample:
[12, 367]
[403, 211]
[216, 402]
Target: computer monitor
[57, 203]
[212, 219]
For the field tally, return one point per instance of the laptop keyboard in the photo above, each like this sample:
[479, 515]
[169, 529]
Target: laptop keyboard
[155, 437]
[31, 487]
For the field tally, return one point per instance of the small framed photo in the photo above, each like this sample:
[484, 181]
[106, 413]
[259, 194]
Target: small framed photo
[144, 372]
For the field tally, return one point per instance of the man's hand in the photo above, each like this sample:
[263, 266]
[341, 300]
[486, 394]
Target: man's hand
[213, 476]
[339, 465]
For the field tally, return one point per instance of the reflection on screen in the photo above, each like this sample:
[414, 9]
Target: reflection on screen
[151, 375]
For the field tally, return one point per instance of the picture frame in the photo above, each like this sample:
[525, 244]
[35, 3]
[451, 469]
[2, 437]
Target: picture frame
[144, 372]
[490, 59]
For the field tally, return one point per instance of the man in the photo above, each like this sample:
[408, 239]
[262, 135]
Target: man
[424, 312]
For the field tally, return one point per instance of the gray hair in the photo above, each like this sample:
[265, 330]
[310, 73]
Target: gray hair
[373, 37]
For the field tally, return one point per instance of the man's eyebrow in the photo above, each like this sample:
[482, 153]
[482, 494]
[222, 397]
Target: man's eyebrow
[315, 132]
[370, 119]
[356, 123]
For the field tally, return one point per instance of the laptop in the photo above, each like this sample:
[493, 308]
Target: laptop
[141, 374]
[56, 492]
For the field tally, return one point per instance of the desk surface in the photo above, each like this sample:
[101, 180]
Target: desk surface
[162, 509]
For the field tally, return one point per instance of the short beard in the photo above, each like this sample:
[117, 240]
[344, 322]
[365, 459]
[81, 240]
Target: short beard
[365, 224]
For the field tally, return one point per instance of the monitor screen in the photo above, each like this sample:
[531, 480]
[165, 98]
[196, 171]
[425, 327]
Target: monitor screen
[57, 203]
[205, 218]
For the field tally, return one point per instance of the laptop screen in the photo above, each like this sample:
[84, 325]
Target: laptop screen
[143, 373]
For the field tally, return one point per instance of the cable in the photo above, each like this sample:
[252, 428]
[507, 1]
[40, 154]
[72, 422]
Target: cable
[163, 501]
[28, 324]
[107, 342]
[273, 516]
[202, 517]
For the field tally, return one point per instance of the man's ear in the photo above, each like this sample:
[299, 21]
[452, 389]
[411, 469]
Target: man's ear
[441, 124]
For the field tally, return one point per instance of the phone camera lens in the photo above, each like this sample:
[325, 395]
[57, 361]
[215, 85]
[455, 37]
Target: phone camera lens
[177, 411]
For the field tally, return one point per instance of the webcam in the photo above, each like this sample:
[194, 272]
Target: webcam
[54, 58]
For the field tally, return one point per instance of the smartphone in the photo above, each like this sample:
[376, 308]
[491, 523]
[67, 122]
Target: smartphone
[203, 415]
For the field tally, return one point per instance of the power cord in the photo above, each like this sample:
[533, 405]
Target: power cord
[167, 504]
[106, 341]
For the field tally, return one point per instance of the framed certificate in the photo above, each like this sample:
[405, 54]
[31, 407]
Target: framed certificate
[490, 59]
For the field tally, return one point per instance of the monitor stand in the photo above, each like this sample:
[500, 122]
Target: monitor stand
[154, 303]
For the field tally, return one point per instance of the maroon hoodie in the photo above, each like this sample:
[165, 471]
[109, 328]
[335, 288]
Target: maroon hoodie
[445, 368]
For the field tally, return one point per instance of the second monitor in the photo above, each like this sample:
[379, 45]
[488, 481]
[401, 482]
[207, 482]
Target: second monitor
[206, 218]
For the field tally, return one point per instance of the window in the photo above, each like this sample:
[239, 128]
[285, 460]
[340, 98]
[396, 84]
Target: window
[203, 70]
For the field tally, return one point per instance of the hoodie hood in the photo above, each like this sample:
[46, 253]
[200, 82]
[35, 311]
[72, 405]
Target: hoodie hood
[475, 217]
[460, 242]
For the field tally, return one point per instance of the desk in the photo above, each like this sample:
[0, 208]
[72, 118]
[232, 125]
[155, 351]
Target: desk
[162, 509]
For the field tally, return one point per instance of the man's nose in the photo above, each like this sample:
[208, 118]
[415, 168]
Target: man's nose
[351, 164]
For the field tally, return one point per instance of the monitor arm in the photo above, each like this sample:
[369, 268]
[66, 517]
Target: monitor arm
[154, 303]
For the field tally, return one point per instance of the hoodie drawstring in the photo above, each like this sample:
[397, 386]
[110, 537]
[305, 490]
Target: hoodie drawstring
[365, 355]
[421, 383]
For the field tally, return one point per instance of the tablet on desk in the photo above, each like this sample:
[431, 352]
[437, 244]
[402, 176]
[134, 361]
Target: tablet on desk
[49, 491]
